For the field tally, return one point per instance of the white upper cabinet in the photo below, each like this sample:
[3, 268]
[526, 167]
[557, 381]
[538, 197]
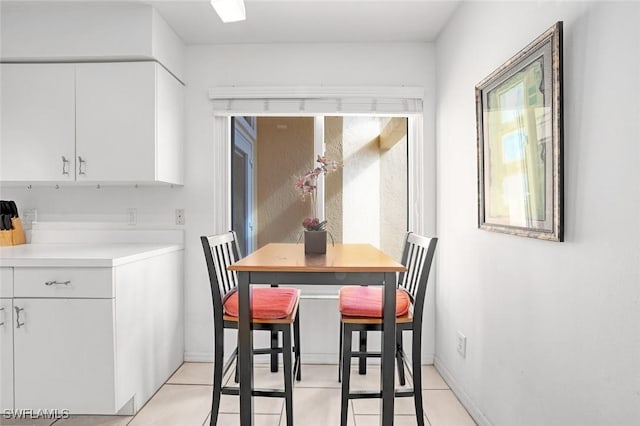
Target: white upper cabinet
[37, 122]
[125, 124]
[115, 139]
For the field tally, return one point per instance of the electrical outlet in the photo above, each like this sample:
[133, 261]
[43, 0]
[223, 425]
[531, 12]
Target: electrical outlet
[461, 346]
[132, 216]
[28, 217]
[179, 216]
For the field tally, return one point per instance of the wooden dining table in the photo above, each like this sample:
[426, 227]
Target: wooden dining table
[343, 264]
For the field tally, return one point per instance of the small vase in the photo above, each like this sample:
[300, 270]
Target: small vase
[315, 242]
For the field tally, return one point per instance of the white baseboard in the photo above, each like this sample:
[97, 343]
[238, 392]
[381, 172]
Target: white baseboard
[198, 357]
[462, 395]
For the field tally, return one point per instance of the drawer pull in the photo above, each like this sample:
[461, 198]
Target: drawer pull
[57, 283]
[2, 323]
[18, 323]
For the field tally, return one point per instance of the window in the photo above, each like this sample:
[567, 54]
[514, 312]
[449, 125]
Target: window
[366, 201]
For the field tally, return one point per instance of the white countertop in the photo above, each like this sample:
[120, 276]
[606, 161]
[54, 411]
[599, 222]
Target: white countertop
[81, 254]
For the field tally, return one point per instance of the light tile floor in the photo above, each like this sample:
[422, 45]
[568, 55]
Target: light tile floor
[185, 400]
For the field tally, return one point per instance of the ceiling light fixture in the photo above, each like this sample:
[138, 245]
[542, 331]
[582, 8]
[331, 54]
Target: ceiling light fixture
[229, 10]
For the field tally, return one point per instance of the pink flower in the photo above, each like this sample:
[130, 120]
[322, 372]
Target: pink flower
[314, 224]
[307, 184]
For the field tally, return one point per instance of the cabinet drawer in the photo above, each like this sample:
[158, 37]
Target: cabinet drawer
[64, 282]
[6, 282]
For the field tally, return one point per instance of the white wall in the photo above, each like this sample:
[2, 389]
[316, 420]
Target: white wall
[553, 329]
[285, 65]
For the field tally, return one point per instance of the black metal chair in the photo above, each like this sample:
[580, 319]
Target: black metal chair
[417, 258]
[220, 251]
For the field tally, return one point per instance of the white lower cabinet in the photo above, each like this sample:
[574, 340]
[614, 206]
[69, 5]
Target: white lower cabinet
[90, 340]
[6, 353]
[64, 355]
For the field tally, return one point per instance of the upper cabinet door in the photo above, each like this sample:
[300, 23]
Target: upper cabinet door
[115, 122]
[37, 122]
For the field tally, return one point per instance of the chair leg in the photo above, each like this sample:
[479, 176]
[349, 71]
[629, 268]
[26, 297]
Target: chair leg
[288, 374]
[274, 345]
[346, 369]
[236, 375]
[362, 369]
[416, 362]
[401, 377]
[274, 355]
[340, 354]
[218, 364]
[296, 337]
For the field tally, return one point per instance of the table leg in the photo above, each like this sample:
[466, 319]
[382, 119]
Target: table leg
[245, 350]
[362, 362]
[388, 349]
[274, 345]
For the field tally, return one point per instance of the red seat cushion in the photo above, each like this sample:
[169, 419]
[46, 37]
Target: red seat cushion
[267, 303]
[361, 301]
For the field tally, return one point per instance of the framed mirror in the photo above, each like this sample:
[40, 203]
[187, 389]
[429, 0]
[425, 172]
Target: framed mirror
[520, 138]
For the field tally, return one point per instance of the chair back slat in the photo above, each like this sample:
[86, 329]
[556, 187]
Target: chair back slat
[221, 251]
[223, 263]
[409, 262]
[230, 258]
[220, 262]
[412, 271]
[417, 257]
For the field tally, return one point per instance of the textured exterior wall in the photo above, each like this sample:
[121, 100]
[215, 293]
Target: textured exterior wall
[393, 196]
[284, 150]
[333, 182]
[374, 186]
[361, 174]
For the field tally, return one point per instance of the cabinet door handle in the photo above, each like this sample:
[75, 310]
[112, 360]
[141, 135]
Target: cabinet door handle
[65, 166]
[57, 282]
[18, 323]
[3, 314]
[82, 162]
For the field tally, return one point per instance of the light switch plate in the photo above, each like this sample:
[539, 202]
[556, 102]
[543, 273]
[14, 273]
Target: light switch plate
[29, 216]
[461, 344]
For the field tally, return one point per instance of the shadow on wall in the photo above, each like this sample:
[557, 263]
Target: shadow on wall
[284, 150]
[291, 230]
[333, 181]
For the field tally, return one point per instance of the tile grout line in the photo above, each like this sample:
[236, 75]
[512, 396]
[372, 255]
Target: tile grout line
[281, 415]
